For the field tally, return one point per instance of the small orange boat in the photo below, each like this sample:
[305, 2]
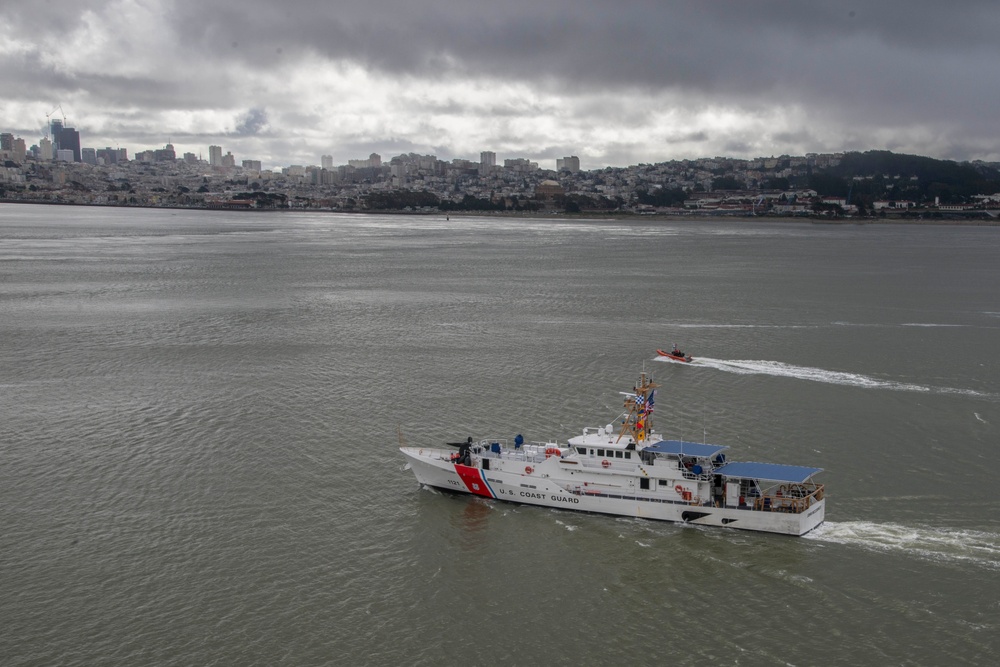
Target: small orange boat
[676, 355]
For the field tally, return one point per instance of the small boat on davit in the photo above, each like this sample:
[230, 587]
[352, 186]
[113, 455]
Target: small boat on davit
[629, 470]
[676, 355]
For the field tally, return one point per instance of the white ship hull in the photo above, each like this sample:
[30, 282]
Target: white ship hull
[577, 483]
[630, 470]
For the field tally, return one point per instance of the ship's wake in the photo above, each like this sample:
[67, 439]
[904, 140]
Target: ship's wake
[946, 545]
[779, 369]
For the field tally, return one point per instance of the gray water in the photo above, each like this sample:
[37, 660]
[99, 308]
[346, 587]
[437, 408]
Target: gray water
[200, 414]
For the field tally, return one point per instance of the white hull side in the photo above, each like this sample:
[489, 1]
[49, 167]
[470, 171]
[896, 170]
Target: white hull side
[550, 482]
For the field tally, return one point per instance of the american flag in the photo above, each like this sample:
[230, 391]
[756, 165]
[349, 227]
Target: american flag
[649, 403]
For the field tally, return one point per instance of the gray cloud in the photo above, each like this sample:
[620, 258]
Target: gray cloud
[252, 122]
[917, 76]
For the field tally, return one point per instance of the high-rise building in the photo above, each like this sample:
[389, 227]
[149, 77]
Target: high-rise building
[64, 155]
[112, 155]
[165, 154]
[326, 161]
[71, 141]
[6, 141]
[228, 160]
[570, 164]
[487, 161]
[20, 151]
[64, 138]
[88, 155]
[374, 161]
[55, 129]
[251, 165]
[44, 149]
[215, 156]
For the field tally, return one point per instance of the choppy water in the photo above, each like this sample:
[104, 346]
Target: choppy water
[198, 432]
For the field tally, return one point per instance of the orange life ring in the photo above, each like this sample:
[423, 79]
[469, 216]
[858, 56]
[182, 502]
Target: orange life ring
[528, 470]
[606, 463]
[679, 489]
[552, 451]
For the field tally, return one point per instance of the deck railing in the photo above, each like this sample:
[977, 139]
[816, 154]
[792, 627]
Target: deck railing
[793, 498]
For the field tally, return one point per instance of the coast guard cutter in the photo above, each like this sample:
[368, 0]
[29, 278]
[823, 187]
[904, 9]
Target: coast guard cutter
[630, 470]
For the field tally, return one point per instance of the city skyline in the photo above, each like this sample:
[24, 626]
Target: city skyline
[613, 83]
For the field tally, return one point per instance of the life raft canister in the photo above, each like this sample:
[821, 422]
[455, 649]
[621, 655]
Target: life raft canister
[528, 470]
[552, 451]
[606, 463]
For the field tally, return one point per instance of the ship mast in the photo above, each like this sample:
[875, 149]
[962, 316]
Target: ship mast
[638, 419]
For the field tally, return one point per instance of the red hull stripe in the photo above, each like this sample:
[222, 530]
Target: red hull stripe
[474, 481]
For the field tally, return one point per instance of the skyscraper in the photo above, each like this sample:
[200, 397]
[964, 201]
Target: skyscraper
[215, 156]
[327, 162]
[70, 141]
[64, 138]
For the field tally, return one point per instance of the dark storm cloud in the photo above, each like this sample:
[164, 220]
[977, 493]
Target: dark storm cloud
[865, 72]
[888, 61]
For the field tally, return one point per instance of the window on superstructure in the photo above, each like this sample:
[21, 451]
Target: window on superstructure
[600, 452]
[628, 455]
[619, 455]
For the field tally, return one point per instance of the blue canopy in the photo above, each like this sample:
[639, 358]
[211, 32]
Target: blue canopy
[684, 448]
[772, 472]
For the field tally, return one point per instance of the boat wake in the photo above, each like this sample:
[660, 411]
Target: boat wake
[777, 368]
[945, 545]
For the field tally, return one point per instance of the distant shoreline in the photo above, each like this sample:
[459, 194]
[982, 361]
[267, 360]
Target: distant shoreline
[967, 221]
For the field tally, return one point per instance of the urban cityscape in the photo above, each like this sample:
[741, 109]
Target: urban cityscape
[879, 184]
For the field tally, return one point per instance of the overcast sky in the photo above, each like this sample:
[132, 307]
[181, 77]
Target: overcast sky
[614, 82]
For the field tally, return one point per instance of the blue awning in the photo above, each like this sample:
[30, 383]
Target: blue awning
[772, 472]
[682, 448]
